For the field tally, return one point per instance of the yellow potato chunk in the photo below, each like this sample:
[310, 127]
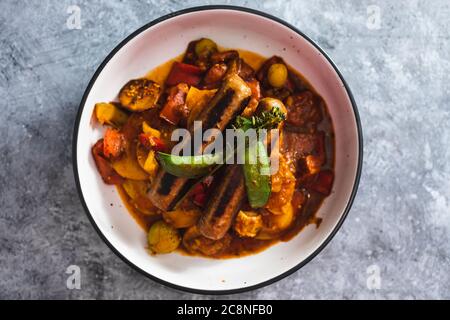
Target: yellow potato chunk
[108, 113]
[248, 224]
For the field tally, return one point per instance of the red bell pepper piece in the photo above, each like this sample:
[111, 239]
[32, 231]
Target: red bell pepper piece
[157, 144]
[184, 73]
[108, 174]
[199, 194]
[200, 199]
[151, 142]
[322, 182]
[174, 109]
[170, 115]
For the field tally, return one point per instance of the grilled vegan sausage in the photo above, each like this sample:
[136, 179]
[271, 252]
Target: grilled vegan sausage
[231, 99]
[226, 198]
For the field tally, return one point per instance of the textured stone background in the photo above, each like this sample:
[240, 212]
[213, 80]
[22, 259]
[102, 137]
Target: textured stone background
[400, 221]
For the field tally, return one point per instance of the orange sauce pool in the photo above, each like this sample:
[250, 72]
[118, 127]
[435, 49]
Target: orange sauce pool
[160, 73]
[242, 246]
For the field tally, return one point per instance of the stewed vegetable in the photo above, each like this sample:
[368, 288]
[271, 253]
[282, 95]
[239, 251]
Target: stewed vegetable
[140, 94]
[218, 200]
[163, 238]
[109, 113]
[257, 175]
[248, 224]
[182, 218]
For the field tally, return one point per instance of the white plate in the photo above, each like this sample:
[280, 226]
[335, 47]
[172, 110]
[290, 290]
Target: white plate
[165, 38]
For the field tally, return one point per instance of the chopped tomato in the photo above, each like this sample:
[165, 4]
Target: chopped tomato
[152, 142]
[113, 143]
[184, 73]
[303, 109]
[104, 167]
[144, 140]
[175, 108]
[215, 74]
[312, 164]
[298, 199]
[157, 144]
[200, 199]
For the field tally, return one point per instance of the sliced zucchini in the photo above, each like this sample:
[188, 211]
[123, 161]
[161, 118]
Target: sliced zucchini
[140, 94]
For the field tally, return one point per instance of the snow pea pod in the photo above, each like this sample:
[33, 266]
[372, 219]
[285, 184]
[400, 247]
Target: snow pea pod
[256, 173]
[190, 167]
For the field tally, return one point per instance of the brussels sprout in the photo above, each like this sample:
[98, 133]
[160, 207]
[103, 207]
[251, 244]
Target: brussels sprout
[140, 94]
[205, 47]
[163, 238]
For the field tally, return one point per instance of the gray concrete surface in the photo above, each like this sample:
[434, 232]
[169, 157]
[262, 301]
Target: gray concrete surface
[400, 222]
